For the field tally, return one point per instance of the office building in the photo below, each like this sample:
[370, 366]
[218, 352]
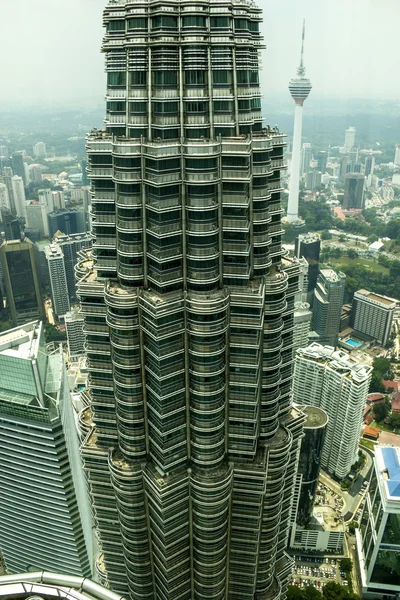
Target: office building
[18, 166]
[21, 281]
[327, 305]
[308, 246]
[369, 165]
[58, 200]
[313, 179]
[36, 217]
[166, 292]
[71, 245]
[336, 382]
[4, 197]
[354, 191]
[322, 160]
[300, 88]
[3, 152]
[45, 521]
[19, 196]
[58, 279]
[302, 312]
[378, 537]
[46, 197]
[373, 315]
[48, 586]
[397, 156]
[67, 221]
[306, 156]
[310, 461]
[7, 179]
[74, 323]
[35, 173]
[39, 149]
[349, 139]
[11, 226]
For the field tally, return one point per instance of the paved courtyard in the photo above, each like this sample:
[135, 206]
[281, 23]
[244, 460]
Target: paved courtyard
[389, 439]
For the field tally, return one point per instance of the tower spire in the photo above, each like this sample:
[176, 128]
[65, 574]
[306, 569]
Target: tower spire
[301, 70]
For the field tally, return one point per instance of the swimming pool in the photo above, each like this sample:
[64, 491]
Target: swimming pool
[353, 343]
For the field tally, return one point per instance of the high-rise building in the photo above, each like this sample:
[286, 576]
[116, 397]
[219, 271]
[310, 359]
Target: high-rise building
[310, 461]
[36, 217]
[302, 313]
[71, 245]
[300, 88]
[7, 179]
[11, 225]
[67, 221]
[322, 160]
[378, 537]
[354, 191]
[74, 323]
[58, 279]
[308, 246]
[188, 306]
[336, 382]
[18, 166]
[21, 281]
[19, 196]
[306, 156]
[3, 152]
[397, 156]
[35, 173]
[369, 165]
[314, 179]
[327, 305]
[45, 522]
[373, 315]
[58, 200]
[39, 149]
[4, 197]
[349, 139]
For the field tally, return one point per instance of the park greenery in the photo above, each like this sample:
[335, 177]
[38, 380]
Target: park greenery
[382, 369]
[331, 591]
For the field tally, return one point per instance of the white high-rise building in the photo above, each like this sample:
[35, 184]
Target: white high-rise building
[36, 217]
[373, 315]
[299, 87]
[46, 197]
[306, 156]
[19, 195]
[45, 522]
[39, 149]
[397, 156]
[349, 139]
[74, 323]
[4, 197]
[58, 200]
[337, 383]
[58, 279]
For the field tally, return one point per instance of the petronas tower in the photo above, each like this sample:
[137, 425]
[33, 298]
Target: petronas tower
[189, 438]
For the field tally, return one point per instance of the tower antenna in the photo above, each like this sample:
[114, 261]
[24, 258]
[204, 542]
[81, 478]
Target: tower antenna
[301, 70]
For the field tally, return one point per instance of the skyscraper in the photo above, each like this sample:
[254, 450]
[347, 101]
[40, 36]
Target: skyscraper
[71, 245]
[308, 245]
[43, 525]
[373, 315]
[188, 306]
[18, 166]
[369, 165]
[21, 281]
[39, 149]
[354, 191]
[19, 196]
[58, 279]
[306, 156]
[334, 381]
[11, 225]
[327, 305]
[75, 334]
[4, 198]
[322, 160]
[299, 87]
[67, 221]
[349, 139]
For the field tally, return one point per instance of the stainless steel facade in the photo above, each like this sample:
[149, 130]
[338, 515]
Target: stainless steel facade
[191, 441]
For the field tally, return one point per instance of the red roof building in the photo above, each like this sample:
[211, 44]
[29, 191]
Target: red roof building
[391, 384]
[371, 432]
[396, 402]
[375, 399]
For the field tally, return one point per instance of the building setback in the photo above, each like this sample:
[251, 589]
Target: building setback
[337, 383]
[45, 522]
[188, 306]
[373, 315]
[327, 305]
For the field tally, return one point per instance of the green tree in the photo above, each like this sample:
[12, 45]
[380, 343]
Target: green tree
[346, 564]
[394, 420]
[352, 254]
[381, 411]
[295, 593]
[326, 235]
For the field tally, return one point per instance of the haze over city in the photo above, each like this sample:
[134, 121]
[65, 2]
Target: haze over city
[351, 49]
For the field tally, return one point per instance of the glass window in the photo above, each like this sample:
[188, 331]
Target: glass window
[165, 108]
[164, 22]
[222, 77]
[116, 26]
[223, 106]
[137, 23]
[138, 108]
[138, 78]
[197, 133]
[391, 534]
[244, 104]
[219, 22]
[195, 77]
[241, 24]
[196, 107]
[387, 568]
[194, 21]
[116, 106]
[165, 134]
[116, 78]
[164, 78]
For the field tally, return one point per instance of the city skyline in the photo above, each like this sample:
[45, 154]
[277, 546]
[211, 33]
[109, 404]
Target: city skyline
[53, 73]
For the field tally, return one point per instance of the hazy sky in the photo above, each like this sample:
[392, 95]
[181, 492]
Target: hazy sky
[50, 49]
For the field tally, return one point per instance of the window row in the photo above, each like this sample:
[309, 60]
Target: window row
[192, 77]
[171, 22]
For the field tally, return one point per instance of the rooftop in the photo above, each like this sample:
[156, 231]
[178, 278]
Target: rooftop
[21, 342]
[331, 275]
[377, 298]
[388, 466]
[338, 360]
[315, 417]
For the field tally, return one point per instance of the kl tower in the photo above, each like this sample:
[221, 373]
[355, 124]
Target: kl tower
[299, 87]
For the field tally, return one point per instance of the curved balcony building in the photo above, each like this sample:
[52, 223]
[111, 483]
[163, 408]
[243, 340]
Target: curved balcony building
[193, 441]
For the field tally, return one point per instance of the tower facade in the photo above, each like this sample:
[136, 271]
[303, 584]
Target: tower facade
[354, 191]
[188, 305]
[58, 279]
[300, 88]
[327, 305]
[45, 523]
[349, 139]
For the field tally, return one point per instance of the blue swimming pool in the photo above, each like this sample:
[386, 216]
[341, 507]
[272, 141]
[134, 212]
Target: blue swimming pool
[353, 343]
